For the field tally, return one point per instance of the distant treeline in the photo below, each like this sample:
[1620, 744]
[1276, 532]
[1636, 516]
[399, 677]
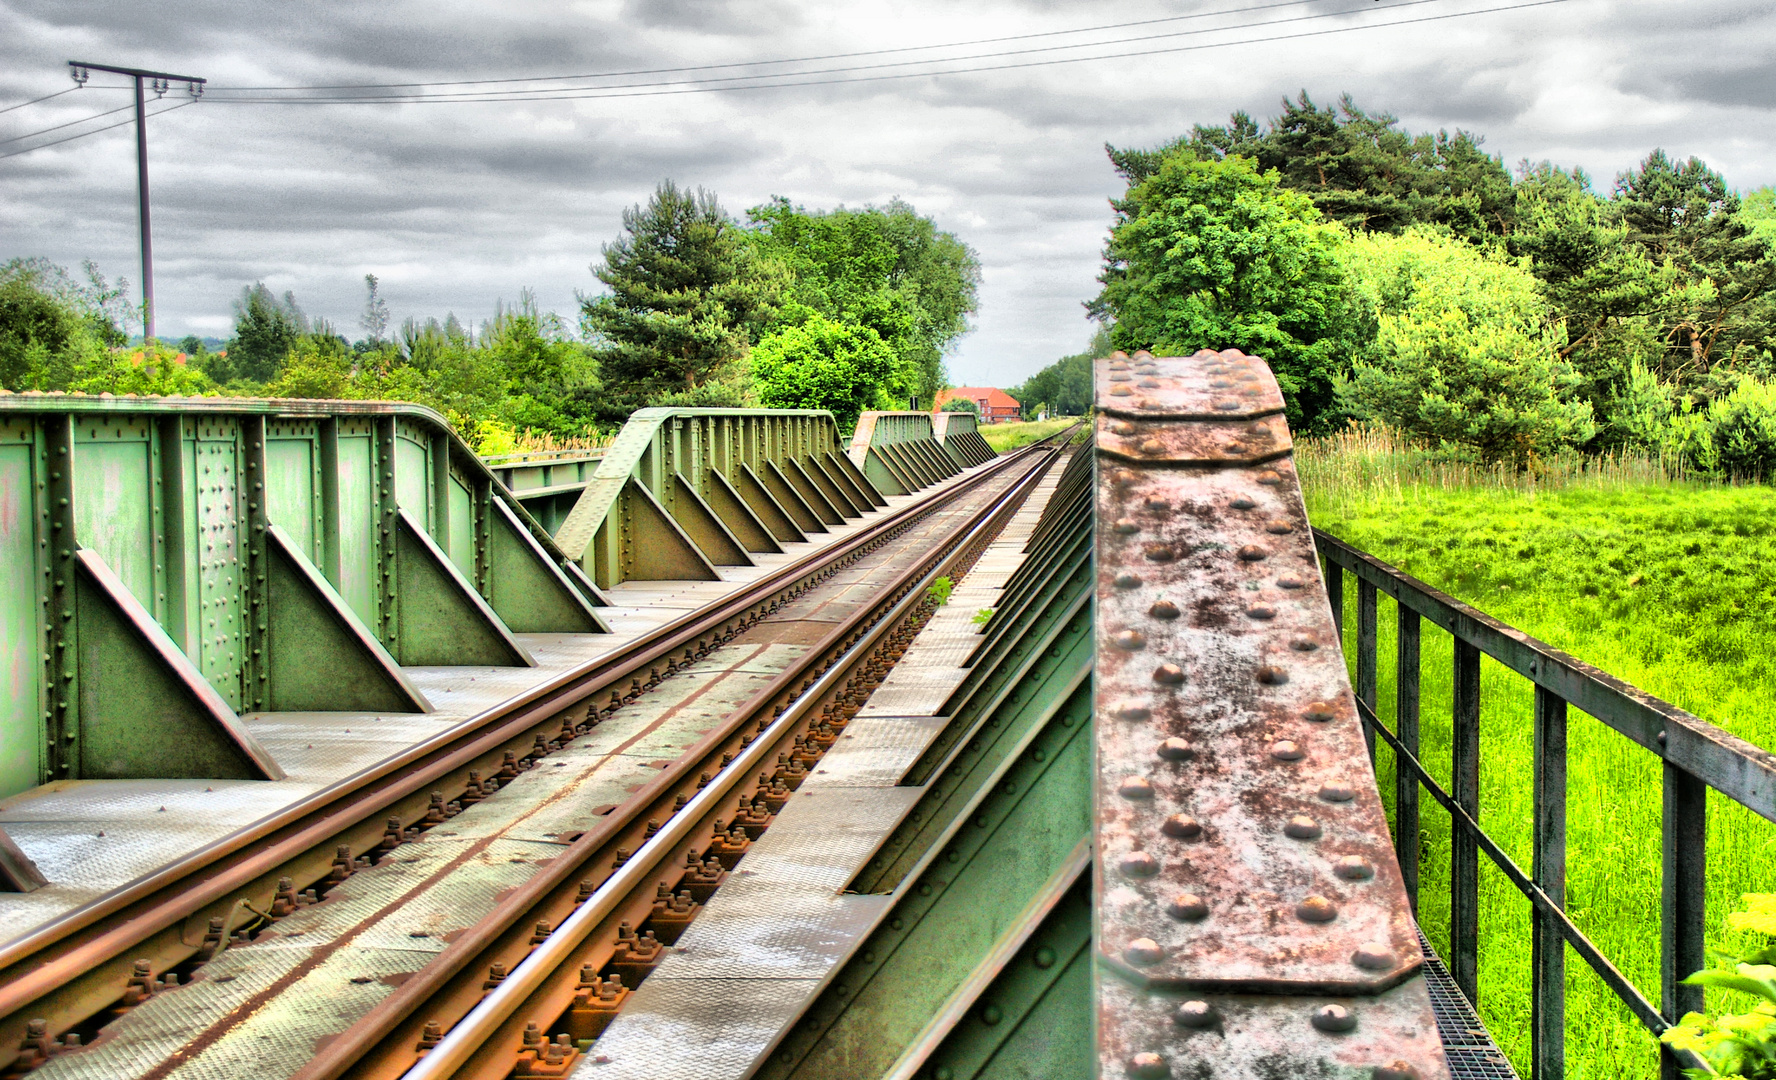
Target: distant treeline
[844, 309]
[1415, 280]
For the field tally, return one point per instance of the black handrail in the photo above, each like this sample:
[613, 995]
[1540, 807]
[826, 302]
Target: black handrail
[1697, 756]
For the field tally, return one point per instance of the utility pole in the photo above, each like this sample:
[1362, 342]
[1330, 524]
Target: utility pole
[161, 82]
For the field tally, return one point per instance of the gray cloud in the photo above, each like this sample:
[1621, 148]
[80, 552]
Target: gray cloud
[457, 206]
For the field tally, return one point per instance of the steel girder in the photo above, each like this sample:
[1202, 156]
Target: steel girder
[900, 453]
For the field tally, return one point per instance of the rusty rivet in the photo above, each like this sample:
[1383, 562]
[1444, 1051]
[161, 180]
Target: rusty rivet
[1132, 640]
[1125, 527]
[1261, 611]
[1194, 1014]
[1182, 827]
[1302, 644]
[1373, 956]
[1148, 1066]
[1122, 427]
[1271, 675]
[1143, 951]
[1353, 868]
[1120, 391]
[1302, 827]
[1242, 503]
[1397, 1070]
[1168, 675]
[1152, 446]
[1159, 553]
[1227, 405]
[1289, 581]
[1147, 384]
[1131, 710]
[1127, 581]
[1123, 477]
[1157, 504]
[1120, 375]
[1188, 907]
[1335, 792]
[1253, 553]
[1139, 864]
[1257, 429]
[1279, 528]
[1163, 609]
[1220, 384]
[1175, 749]
[1334, 1018]
[1269, 478]
[1135, 787]
[1233, 448]
[1285, 750]
[1316, 909]
[1318, 711]
[1143, 356]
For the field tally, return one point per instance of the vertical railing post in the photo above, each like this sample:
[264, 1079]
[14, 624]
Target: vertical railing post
[1683, 913]
[1464, 871]
[1366, 620]
[1335, 596]
[1548, 951]
[1406, 670]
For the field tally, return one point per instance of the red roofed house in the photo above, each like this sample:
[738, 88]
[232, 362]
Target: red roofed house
[995, 405]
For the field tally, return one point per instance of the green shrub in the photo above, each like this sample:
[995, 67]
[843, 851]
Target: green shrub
[1744, 431]
[1743, 1044]
[940, 591]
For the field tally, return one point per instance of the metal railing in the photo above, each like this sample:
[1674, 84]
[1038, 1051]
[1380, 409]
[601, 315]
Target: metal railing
[1696, 756]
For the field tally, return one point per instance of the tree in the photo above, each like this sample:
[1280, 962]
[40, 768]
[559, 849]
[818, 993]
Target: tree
[1063, 388]
[687, 294]
[886, 268]
[961, 404]
[265, 330]
[1215, 254]
[51, 325]
[823, 364]
[375, 319]
[1461, 349]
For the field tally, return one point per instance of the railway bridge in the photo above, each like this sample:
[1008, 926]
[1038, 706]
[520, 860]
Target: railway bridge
[747, 748]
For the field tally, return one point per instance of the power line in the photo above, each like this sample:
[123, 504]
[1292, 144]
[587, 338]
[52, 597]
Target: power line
[630, 92]
[786, 60]
[35, 101]
[95, 131]
[71, 123]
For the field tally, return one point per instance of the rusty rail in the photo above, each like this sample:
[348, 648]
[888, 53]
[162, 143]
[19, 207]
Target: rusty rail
[1250, 915]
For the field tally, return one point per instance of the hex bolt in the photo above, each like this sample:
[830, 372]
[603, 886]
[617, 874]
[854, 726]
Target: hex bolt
[1182, 827]
[1168, 675]
[1195, 1014]
[1164, 609]
[1334, 1018]
[1188, 907]
[1286, 750]
[1316, 909]
[1148, 1066]
[1335, 792]
[1143, 952]
[1373, 956]
[1175, 749]
[1138, 864]
[1302, 827]
[1354, 868]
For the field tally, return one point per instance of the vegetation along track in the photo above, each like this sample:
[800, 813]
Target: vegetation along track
[267, 882]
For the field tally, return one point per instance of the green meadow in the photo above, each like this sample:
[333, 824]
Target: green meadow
[1664, 582]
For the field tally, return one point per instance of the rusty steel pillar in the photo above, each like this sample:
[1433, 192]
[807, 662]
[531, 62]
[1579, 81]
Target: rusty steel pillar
[1251, 919]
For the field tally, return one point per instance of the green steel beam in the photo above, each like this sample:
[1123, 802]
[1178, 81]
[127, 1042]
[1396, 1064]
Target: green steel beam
[791, 498]
[774, 514]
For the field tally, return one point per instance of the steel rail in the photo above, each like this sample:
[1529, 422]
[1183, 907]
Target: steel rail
[35, 966]
[834, 661]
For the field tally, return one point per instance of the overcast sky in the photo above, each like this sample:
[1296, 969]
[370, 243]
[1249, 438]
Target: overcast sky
[458, 205]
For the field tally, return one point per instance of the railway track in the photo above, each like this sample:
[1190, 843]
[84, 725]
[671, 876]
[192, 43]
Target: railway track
[772, 671]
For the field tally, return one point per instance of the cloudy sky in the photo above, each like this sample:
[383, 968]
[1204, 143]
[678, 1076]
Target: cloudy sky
[460, 202]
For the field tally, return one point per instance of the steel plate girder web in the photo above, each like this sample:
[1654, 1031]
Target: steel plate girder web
[724, 499]
[1022, 826]
[772, 513]
[790, 497]
[1250, 912]
[531, 593]
[704, 526]
[442, 619]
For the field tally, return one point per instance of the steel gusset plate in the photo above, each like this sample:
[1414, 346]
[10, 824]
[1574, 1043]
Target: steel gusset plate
[1239, 387]
[1243, 854]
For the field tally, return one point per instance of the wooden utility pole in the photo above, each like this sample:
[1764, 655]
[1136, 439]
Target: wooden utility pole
[161, 81]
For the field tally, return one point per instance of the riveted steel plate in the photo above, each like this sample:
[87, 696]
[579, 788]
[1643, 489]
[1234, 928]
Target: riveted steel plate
[1242, 844]
[215, 802]
[1221, 444]
[1259, 1037]
[713, 1027]
[1204, 386]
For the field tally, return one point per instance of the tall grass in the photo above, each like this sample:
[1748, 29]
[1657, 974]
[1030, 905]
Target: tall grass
[1003, 437]
[1660, 580]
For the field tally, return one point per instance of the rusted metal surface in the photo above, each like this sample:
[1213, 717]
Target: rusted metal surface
[1243, 851]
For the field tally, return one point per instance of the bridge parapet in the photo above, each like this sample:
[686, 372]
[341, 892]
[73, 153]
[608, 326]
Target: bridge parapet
[959, 435]
[683, 491]
[899, 451]
[172, 563]
[1250, 912]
